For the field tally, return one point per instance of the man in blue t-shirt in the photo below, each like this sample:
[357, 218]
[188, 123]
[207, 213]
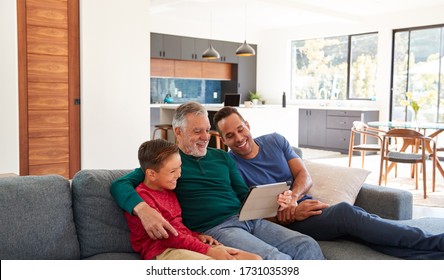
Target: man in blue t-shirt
[270, 158]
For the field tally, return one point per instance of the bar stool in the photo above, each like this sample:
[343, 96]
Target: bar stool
[163, 128]
[218, 141]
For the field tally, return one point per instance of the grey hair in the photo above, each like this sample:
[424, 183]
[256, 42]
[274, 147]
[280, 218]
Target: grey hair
[185, 109]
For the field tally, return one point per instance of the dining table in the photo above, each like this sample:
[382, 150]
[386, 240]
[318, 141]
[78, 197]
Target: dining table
[436, 127]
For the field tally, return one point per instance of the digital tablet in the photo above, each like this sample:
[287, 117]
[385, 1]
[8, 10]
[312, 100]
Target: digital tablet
[261, 201]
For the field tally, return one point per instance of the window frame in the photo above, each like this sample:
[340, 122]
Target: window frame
[295, 53]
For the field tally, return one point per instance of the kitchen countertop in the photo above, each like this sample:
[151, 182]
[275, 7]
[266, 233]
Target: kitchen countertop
[218, 106]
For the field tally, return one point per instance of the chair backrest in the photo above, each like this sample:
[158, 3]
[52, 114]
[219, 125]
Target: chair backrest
[414, 137]
[362, 128]
[359, 126]
[404, 132]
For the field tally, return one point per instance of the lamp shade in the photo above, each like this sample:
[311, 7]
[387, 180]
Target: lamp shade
[245, 50]
[211, 53]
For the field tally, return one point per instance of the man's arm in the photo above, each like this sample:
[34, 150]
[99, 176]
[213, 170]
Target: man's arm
[128, 199]
[302, 181]
[123, 190]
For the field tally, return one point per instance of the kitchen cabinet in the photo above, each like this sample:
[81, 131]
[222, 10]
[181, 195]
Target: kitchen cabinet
[339, 124]
[241, 78]
[187, 69]
[312, 132]
[162, 68]
[167, 68]
[216, 71]
[329, 129]
[246, 75]
[193, 48]
[165, 46]
[227, 51]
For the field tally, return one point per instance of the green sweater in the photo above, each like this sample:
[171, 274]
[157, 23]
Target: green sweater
[209, 190]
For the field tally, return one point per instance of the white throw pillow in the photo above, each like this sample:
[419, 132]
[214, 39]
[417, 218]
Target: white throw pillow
[334, 184]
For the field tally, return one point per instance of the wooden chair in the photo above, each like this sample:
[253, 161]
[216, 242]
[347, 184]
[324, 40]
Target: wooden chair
[412, 151]
[370, 140]
[163, 128]
[218, 141]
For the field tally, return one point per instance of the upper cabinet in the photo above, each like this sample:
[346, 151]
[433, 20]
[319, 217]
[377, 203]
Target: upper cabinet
[188, 48]
[165, 46]
[227, 51]
[193, 48]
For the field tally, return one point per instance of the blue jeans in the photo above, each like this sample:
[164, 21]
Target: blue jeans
[269, 240]
[386, 236]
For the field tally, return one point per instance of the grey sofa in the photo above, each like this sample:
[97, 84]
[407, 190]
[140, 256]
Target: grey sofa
[49, 217]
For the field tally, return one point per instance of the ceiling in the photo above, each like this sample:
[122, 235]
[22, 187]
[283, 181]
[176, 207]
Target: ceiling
[270, 14]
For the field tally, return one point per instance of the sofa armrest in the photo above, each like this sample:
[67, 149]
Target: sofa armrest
[386, 202]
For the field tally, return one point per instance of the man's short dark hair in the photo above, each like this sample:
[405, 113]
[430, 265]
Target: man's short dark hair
[224, 113]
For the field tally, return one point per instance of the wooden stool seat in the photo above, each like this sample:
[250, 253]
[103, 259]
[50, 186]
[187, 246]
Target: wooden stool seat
[163, 128]
[219, 143]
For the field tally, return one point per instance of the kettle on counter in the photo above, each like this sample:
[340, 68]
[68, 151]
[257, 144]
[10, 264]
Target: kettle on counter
[168, 99]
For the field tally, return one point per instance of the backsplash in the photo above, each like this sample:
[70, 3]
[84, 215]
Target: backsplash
[183, 90]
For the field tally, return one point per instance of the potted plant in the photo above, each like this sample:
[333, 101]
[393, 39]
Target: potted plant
[255, 97]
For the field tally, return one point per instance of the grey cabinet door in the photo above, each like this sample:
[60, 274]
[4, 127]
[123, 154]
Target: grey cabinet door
[187, 51]
[312, 127]
[156, 45]
[230, 52]
[246, 76]
[227, 51]
[303, 127]
[172, 46]
[165, 46]
[316, 128]
[200, 45]
[193, 48]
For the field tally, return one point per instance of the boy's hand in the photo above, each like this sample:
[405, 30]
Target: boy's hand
[208, 239]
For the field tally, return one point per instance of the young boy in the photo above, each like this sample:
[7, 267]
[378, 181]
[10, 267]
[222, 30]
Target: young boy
[162, 165]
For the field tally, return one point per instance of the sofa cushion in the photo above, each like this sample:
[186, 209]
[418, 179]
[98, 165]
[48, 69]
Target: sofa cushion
[343, 249]
[101, 224]
[37, 218]
[334, 184]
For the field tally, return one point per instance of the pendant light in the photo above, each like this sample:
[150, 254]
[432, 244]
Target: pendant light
[245, 49]
[211, 52]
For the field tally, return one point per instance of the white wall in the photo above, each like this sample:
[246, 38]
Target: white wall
[9, 126]
[115, 53]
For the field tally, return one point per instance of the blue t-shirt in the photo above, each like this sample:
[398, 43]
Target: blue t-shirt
[274, 154]
[270, 164]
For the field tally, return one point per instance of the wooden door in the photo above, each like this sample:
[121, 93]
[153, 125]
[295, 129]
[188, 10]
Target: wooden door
[49, 87]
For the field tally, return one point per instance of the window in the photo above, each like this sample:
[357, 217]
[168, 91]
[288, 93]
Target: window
[320, 67]
[418, 68]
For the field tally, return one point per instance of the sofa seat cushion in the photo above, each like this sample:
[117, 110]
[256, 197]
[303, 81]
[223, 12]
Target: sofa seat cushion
[37, 218]
[342, 249]
[101, 224]
[115, 256]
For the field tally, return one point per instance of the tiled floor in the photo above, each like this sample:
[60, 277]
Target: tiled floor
[422, 207]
